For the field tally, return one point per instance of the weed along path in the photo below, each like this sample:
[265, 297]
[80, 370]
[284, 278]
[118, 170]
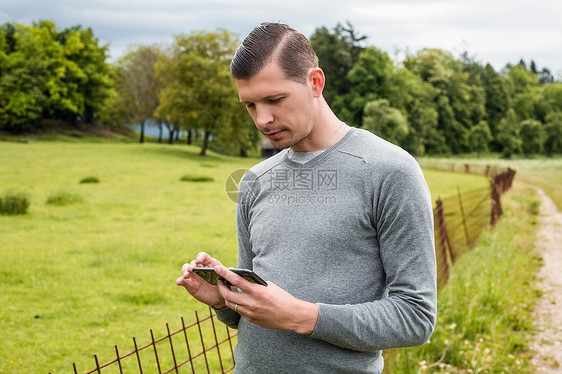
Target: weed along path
[548, 341]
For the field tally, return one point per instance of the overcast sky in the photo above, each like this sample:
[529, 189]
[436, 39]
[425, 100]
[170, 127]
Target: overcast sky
[496, 32]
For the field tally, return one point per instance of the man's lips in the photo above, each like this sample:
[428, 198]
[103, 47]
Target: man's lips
[273, 134]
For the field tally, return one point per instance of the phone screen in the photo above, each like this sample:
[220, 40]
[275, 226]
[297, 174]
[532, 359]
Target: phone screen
[209, 275]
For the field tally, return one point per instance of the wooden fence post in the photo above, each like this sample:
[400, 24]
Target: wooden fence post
[510, 177]
[495, 200]
[444, 243]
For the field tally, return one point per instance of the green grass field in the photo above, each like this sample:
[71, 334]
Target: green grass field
[79, 278]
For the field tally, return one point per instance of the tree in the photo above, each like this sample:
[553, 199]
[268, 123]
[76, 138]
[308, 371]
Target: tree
[199, 93]
[337, 52]
[88, 76]
[51, 74]
[452, 134]
[432, 65]
[467, 101]
[531, 133]
[551, 97]
[479, 137]
[22, 86]
[3, 50]
[545, 76]
[524, 104]
[372, 79]
[530, 100]
[353, 40]
[508, 135]
[385, 121]
[423, 119]
[335, 59]
[459, 101]
[533, 67]
[417, 98]
[138, 86]
[553, 133]
[497, 101]
[169, 113]
[373, 73]
[521, 79]
[114, 111]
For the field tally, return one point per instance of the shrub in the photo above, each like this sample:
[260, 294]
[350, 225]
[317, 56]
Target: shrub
[75, 134]
[196, 178]
[14, 203]
[90, 180]
[63, 198]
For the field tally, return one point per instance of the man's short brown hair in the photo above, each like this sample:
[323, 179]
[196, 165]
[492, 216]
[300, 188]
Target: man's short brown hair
[274, 42]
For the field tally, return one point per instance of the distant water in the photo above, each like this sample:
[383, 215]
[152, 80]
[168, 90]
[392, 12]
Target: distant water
[153, 130]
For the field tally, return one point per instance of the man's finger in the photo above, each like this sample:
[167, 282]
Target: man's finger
[231, 277]
[179, 281]
[202, 257]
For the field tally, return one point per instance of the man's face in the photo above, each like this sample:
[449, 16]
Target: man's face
[282, 109]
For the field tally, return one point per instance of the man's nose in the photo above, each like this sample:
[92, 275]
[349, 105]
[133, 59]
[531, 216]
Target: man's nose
[264, 116]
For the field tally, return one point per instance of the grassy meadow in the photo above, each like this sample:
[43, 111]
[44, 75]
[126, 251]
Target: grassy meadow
[79, 278]
[98, 264]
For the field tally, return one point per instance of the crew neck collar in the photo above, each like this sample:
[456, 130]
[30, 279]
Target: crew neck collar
[292, 158]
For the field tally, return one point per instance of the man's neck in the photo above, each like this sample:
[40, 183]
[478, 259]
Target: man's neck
[329, 130]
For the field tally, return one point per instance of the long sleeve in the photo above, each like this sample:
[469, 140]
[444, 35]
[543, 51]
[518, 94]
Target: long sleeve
[406, 317]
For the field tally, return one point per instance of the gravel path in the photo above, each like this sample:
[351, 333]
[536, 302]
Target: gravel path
[548, 313]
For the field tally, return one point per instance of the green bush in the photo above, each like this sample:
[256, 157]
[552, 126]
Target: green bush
[534, 208]
[196, 178]
[14, 203]
[75, 134]
[63, 198]
[90, 180]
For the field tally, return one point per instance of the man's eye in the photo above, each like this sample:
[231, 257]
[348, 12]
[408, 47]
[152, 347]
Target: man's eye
[275, 101]
[250, 106]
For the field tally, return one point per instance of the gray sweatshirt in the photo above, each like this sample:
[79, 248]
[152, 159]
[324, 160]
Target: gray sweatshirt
[352, 231]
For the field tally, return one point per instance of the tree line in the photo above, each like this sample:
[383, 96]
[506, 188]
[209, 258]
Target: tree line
[428, 103]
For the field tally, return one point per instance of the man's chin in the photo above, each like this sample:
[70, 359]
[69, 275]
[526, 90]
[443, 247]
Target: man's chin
[280, 145]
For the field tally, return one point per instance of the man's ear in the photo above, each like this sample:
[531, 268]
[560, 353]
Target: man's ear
[318, 81]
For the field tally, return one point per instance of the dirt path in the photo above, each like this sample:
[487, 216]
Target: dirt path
[548, 341]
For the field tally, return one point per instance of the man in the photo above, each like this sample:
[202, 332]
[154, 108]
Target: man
[339, 223]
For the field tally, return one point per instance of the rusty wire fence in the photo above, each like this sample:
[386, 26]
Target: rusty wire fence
[204, 347]
[461, 218]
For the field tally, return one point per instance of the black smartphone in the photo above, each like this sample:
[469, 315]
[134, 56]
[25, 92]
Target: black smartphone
[209, 275]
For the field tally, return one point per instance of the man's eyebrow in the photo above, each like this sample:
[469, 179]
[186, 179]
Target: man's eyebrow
[263, 98]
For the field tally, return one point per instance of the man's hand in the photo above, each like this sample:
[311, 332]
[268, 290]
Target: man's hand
[270, 306]
[196, 286]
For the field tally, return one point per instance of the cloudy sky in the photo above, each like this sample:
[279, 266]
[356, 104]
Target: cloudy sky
[493, 31]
